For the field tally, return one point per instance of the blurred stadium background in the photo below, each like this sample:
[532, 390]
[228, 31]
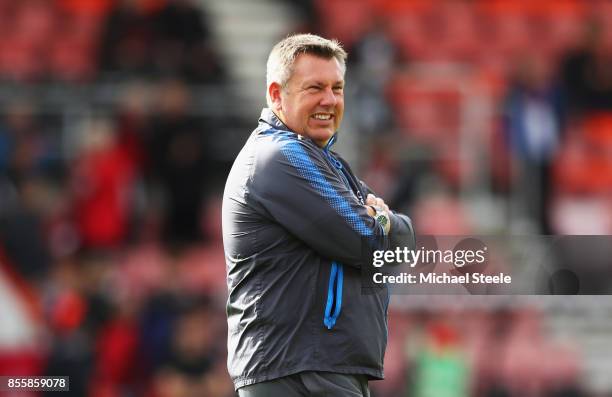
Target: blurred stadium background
[119, 120]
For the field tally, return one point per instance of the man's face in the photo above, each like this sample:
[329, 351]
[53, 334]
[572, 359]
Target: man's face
[312, 103]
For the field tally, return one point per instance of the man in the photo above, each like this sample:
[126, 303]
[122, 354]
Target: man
[298, 229]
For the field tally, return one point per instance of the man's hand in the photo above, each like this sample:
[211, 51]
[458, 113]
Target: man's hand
[374, 201]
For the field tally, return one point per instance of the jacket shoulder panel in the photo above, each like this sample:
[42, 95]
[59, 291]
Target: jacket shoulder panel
[287, 160]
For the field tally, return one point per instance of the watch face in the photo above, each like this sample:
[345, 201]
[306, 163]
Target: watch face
[382, 220]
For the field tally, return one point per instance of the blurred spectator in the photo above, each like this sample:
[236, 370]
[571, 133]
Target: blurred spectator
[25, 148]
[171, 41]
[126, 43]
[414, 171]
[22, 230]
[374, 57]
[308, 16]
[186, 361]
[192, 348]
[117, 369]
[180, 163]
[383, 169]
[71, 353]
[133, 123]
[133, 131]
[157, 317]
[587, 70]
[533, 116]
[441, 367]
[183, 45]
[26, 158]
[202, 267]
[102, 183]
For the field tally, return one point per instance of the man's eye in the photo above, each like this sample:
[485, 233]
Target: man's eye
[313, 88]
[338, 89]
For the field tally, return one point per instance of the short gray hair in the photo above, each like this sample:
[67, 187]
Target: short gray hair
[280, 62]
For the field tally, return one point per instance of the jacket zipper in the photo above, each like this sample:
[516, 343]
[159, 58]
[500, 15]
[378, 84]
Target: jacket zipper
[334, 295]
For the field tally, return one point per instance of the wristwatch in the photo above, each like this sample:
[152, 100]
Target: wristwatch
[383, 218]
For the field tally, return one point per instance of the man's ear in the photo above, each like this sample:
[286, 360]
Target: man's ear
[274, 91]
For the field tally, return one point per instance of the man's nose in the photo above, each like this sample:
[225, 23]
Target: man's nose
[329, 99]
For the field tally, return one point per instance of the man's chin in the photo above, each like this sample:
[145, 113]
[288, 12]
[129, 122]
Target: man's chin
[321, 135]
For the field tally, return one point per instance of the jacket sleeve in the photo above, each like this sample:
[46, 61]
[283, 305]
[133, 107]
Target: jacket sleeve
[299, 191]
[402, 232]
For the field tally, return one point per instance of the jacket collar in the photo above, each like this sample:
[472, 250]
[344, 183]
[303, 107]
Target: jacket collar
[270, 118]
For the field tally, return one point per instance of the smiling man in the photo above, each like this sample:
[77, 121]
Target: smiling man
[311, 103]
[298, 229]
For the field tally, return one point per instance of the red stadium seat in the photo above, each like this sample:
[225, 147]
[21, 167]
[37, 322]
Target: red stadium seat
[463, 36]
[86, 8]
[425, 110]
[345, 20]
[441, 215]
[72, 60]
[405, 7]
[72, 54]
[20, 59]
[405, 30]
[584, 164]
[35, 20]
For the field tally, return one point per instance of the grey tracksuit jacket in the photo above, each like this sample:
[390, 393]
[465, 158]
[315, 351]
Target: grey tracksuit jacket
[297, 239]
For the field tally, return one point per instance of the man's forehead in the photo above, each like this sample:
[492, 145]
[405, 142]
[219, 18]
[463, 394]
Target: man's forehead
[309, 66]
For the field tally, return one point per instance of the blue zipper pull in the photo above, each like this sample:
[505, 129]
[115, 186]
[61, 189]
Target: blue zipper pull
[336, 277]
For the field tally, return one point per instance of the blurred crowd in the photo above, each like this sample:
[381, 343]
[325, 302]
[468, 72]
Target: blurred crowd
[472, 352]
[110, 233]
[506, 98]
[78, 41]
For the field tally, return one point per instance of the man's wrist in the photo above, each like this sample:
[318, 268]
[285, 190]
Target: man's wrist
[382, 217]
